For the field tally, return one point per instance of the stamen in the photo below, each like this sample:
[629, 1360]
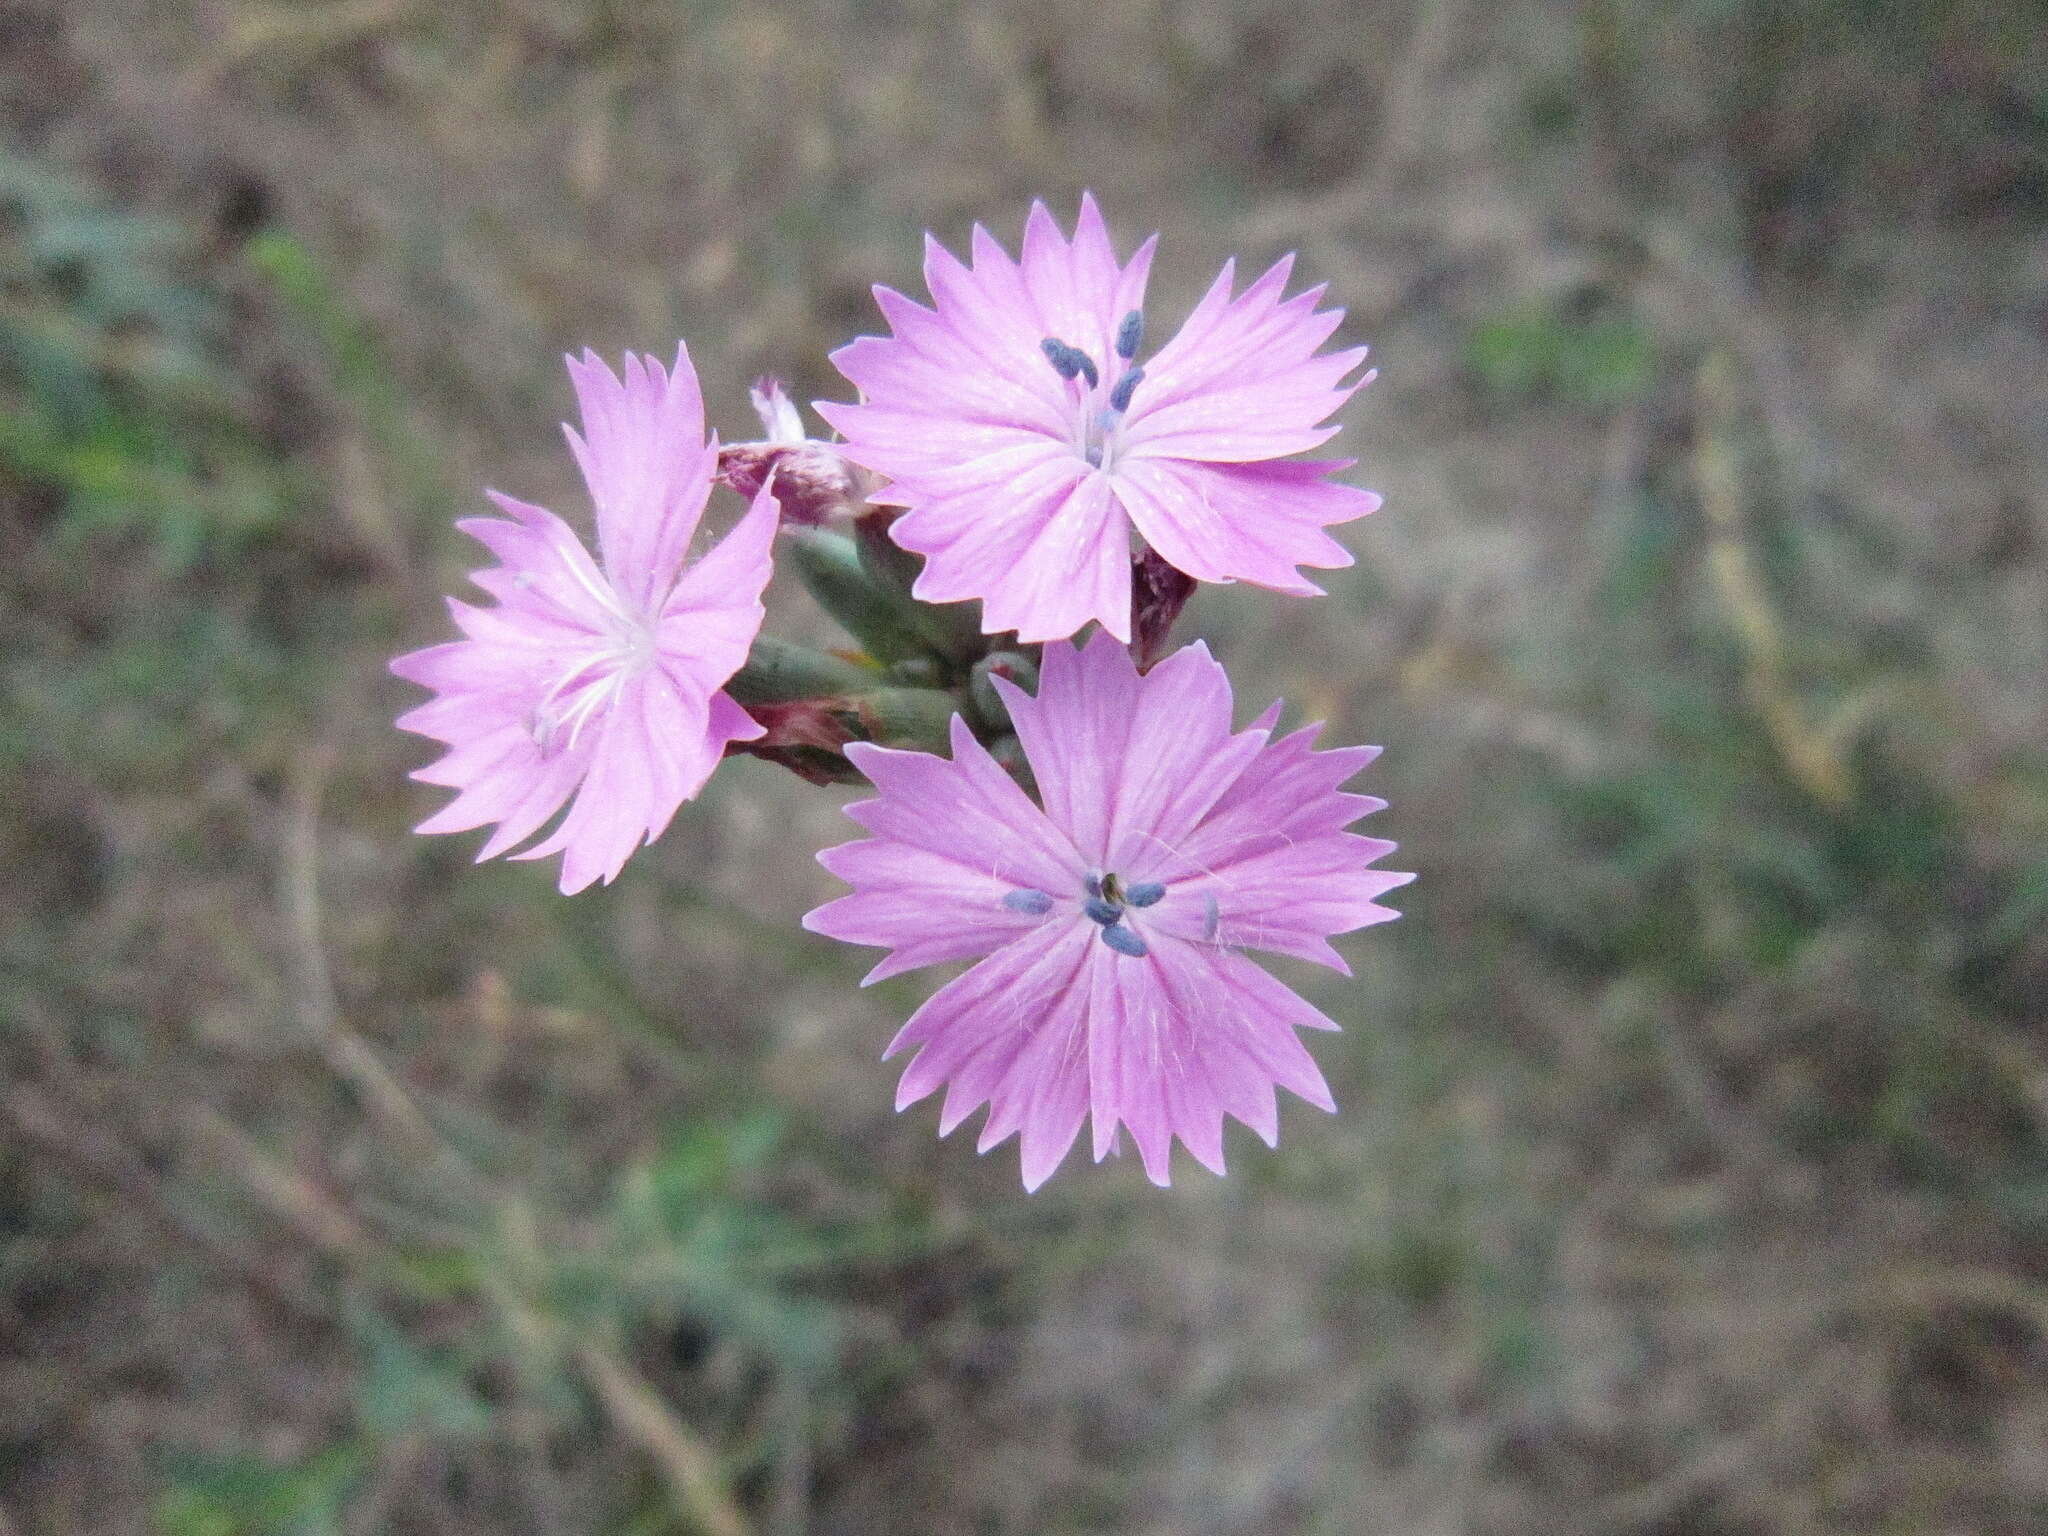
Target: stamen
[1107, 913]
[1093, 884]
[1060, 355]
[1129, 333]
[592, 702]
[1120, 397]
[1125, 942]
[590, 686]
[1031, 903]
[1145, 894]
[1070, 362]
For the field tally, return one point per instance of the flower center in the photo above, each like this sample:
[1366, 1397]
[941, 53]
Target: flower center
[589, 686]
[1099, 411]
[1105, 899]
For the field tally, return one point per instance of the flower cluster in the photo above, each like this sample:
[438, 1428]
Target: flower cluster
[1075, 814]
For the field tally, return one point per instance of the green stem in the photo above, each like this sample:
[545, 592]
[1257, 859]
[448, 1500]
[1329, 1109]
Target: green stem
[873, 611]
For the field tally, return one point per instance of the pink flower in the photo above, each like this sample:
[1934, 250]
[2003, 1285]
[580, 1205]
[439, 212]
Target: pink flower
[1016, 422]
[598, 680]
[1113, 920]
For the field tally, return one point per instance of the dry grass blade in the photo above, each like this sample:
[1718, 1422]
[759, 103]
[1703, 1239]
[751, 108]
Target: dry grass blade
[687, 1466]
[318, 1013]
[257, 32]
[1812, 756]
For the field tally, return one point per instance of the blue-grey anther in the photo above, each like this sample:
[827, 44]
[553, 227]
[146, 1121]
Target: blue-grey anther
[1129, 333]
[1125, 942]
[1069, 362]
[1061, 356]
[1144, 894]
[1031, 903]
[1103, 912]
[1093, 884]
[1120, 397]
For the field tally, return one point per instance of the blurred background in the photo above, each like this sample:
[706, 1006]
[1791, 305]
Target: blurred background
[1690, 1173]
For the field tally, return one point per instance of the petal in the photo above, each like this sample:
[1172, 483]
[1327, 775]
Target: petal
[491, 772]
[502, 743]
[651, 750]
[461, 669]
[546, 580]
[911, 444]
[989, 314]
[781, 421]
[1072, 284]
[967, 807]
[1288, 900]
[1038, 539]
[1132, 1046]
[549, 783]
[1263, 417]
[710, 620]
[974, 357]
[1183, 1036]
[730, 723]
[953, 839]
[537, 640]
[1011, 1033]
[1222, 334]
[644, 457]
[1129, 764]
[455, 717]
[1241, 380]
[1242, 1032]
[495, 765]
[1289, 793]
[929, 908]
[1241, 522]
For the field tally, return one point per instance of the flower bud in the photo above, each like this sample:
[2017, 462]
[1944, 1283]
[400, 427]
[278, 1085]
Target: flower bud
[981, 693]
[1158, 593]
[813, 484]
[779, 671]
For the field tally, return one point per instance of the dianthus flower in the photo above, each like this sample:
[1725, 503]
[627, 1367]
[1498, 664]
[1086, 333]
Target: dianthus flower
[599, 680]
[1018, 425]
[1112, 920]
